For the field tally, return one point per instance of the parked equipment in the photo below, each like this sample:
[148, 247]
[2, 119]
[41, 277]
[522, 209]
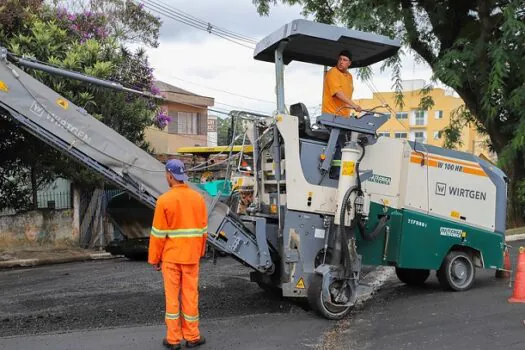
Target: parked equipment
[328, 198]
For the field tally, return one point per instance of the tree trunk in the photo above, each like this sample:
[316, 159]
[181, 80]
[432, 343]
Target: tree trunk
[516, 207]
[34, 189]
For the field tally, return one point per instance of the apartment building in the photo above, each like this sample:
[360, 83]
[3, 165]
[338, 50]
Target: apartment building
[424, 126]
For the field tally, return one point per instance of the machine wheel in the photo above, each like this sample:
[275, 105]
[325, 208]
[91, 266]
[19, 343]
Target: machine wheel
[457, 272]
[412, 277]
[316, 302]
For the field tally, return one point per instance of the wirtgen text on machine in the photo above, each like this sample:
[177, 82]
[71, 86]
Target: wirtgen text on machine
[467, 193]
[38, 110]
[441, 190]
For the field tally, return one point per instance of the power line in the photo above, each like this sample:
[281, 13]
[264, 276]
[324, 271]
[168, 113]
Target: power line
[238, 107]
[220, 90]
[209, 26]
[143, 86]
[179, 16]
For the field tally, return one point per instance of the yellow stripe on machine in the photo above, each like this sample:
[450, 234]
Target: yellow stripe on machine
[446, 163]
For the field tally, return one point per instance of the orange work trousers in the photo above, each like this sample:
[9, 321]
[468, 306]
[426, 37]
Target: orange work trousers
[182, 318]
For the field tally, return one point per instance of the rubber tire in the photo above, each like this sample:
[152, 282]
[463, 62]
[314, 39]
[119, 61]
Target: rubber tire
[314, 299]
[444, 272]
[412, 277]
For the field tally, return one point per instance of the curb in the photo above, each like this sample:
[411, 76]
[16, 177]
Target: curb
[59, 260]
[516, 237]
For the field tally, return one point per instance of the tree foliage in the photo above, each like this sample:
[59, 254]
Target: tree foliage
[224, 133]
[84, 42]
[475, 47]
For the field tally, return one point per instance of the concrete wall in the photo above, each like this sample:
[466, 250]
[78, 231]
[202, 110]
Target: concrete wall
[42, 227]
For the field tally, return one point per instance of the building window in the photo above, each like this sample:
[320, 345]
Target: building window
[187, 123]
[419, 136]
[419, 117]
[437, 135]
[439, 115]
[385, 134]
[402, 115]
[400, 135]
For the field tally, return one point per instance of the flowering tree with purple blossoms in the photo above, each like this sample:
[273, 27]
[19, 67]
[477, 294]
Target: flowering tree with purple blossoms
[85, 41]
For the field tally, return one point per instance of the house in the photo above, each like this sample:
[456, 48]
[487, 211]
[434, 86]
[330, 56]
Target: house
[189, 124]
[426, 126]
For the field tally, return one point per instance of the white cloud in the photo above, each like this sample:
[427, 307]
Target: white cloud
[206, 63]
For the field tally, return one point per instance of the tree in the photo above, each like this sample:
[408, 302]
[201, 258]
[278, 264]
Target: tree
[224, 133]
[475, 47]
[80, 42]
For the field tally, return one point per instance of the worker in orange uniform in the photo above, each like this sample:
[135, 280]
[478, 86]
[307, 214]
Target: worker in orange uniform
[339, 87]
[177, 243]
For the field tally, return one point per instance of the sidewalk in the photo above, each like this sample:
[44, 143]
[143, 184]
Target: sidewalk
[515, 234]
[33, 256]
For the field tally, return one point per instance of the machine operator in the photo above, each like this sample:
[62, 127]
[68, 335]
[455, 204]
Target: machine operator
[339, 87]
[177, 243]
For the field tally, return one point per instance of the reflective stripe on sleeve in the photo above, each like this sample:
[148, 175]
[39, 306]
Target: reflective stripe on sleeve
[180, 233]
[158, 233]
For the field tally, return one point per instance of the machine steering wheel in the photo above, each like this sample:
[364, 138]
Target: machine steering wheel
[363, 111]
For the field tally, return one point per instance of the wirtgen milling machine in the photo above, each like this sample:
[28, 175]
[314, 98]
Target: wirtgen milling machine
[328, 198]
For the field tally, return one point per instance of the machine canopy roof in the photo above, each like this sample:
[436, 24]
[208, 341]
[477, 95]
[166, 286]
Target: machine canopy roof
[320, 43]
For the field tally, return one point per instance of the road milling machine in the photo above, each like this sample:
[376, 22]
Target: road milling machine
[329, 197]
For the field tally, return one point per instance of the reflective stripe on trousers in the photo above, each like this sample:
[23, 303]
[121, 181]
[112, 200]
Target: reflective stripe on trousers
[183, 280]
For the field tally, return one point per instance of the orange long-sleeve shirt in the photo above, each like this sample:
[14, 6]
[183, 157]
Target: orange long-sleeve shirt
[179, 231]
[336, 81]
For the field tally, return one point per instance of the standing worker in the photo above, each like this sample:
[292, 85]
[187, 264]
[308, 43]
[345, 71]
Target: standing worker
[339, 87]
[177, 243]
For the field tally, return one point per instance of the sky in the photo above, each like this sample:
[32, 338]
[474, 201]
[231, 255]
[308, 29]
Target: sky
[209, 65]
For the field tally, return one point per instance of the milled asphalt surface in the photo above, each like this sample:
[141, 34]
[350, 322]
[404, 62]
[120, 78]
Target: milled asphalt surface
[118, 304]
[402, 317]
[71, 306]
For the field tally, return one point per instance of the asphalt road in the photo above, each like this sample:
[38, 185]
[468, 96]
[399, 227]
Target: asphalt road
[402, 317]
[119, 304]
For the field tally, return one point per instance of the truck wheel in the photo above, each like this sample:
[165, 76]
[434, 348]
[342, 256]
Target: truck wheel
[412, 277]
[457, 272]
[315, 299]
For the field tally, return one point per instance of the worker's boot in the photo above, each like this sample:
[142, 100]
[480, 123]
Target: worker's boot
[171, 346]
[193, 344]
